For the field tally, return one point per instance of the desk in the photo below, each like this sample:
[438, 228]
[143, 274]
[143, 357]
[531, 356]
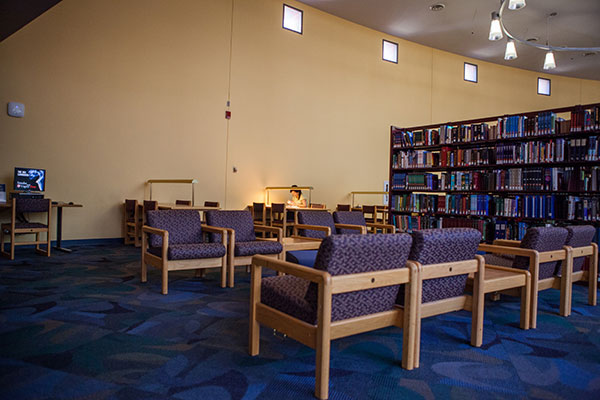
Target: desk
[59, 205]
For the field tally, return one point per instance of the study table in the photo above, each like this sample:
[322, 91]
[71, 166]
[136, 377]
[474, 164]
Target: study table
[59, 205]
[173, 206]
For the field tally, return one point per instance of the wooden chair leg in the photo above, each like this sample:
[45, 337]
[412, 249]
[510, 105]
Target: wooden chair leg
[593, 277]
[417, 340]
[254, 330]
[323, 342]
[478, 306]
[535, 276]
[165, 279]
[409, 324]
[224, 271]
[566, 284]
[231, 268]
[4, 253]
[526, 303]
[37, 240]
[12, 245]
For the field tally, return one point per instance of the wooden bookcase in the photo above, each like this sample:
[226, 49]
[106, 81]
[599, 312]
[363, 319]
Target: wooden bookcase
[498, 174]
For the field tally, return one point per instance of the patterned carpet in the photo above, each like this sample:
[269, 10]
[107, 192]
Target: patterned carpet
[82, 326]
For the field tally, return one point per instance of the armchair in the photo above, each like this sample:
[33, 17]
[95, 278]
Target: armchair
[541, 252]
[351, 290]
[243, 243]
[443, 258]
[16, 227]
[173, 240]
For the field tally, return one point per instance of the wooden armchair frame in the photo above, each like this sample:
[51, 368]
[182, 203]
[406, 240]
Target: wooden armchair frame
[233, 261]
[535, 259]
[590, 251]
[20, 231]
[166, 265]
[474, 303]
[319, 336]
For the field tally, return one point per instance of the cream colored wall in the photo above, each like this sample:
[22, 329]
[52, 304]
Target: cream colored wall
[118, 92]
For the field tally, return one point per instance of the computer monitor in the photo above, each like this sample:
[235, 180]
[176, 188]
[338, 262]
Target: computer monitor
[30, 179]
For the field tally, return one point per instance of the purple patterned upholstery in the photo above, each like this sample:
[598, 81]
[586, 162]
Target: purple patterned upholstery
[320, 218]
[286, 294]
[257, 247]
[191, 251]
[240, 221]
[435, 246]
[339, 255]
[184, 226]
[542, 239]
[501, 260]
[349, 218]
[32, 205]
[578, 236]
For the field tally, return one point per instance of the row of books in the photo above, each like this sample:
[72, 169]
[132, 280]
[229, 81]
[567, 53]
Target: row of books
[527, 206]
[555, 150]
[511, 230]
[515, 126]
[559, 150]
[409, 223]
[569, 179]
[585, 120]
[459, 204]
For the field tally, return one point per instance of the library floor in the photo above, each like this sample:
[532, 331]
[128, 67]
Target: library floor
[82, 326]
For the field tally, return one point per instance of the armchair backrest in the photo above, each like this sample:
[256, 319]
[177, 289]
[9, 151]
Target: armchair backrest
[130, 206]
[352, 254]
[371, 213]
[343, 207]
[32, 205]
[184, 226]
[320, 218]
[211, 204]
[579, 236]
[436, 246]
[240, 221]
[542, 239]
[350, 218]
[278, 214]
[259, 212]
[183, 202]
[150, 205]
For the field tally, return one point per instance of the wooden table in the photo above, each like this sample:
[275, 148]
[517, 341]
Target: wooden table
[59, 205]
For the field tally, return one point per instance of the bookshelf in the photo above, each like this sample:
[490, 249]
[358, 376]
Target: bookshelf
[498, 174]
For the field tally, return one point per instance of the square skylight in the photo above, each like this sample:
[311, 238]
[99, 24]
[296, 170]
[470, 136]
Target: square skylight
[390, 51]
[292, 19]
[470, 74]
[543, 86]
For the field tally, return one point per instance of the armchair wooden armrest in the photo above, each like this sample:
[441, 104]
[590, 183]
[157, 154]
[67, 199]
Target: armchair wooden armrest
[517, 251]
[216, 229]
[270, 229]
[325, 229]
[147, 230]
[362, 229]
[385, 227]
[506, 242]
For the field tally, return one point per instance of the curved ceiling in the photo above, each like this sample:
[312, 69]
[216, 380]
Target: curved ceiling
[462, 27]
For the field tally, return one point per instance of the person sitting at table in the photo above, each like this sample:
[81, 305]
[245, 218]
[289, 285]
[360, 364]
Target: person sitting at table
[297, 199]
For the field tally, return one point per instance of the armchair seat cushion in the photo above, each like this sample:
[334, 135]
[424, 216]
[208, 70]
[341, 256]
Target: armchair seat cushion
[302, 257]
[287, 294]
[191, 251]
[257, 247]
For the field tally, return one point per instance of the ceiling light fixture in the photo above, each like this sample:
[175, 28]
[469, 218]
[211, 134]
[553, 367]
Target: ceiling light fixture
[511, 50]
[497, 30]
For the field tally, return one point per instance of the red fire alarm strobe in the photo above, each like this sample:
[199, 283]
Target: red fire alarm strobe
[227, 114]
